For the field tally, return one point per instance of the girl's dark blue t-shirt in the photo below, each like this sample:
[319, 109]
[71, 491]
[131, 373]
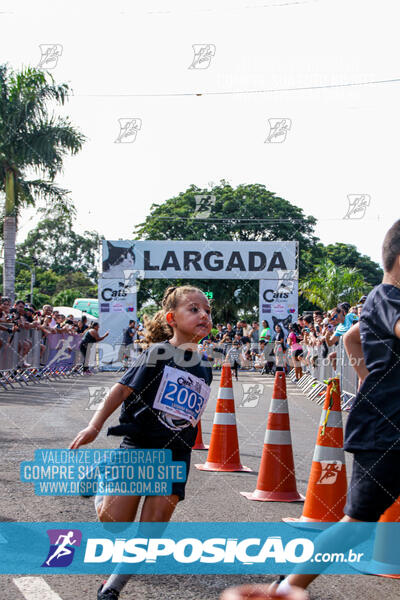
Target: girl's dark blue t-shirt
[374, 420]
[139, 421]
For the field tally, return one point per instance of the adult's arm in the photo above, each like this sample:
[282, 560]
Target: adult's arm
[331, 339]
[397, 329]
[353, 347]
[98, 337]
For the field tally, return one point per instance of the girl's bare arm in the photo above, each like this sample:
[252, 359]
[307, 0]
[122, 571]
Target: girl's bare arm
[115, 398]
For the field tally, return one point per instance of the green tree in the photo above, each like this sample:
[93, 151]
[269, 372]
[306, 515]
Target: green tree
[49, 286]
[65, 297]
[45, 285]
[30, 139]
[330, 284]
[245, 213]
[46, 281]
[39, 299]
[347, 255]
[78, 281]
[149, 310]
[53, 244]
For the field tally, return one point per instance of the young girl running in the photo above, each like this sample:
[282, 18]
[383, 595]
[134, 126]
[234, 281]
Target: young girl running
[173, 333]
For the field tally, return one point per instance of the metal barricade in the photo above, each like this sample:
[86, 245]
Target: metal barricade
[33, 356]
[6, 351]
[348, 376]
[320, 369]
[21, 364]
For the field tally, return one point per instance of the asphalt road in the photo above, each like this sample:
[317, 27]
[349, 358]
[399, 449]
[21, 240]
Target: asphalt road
[49, 415]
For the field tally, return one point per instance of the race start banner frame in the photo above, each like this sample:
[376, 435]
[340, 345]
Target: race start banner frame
[126, 262]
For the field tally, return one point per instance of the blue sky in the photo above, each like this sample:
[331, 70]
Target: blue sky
[131, 60]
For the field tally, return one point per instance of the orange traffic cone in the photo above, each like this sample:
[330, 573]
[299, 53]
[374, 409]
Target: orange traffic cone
[386, 547]
[261, 592]
[198, 445]
[327, 484]
[223, 454]
[276, 480]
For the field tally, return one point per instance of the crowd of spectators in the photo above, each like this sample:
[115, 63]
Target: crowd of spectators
[20, 317]
[244, 345]
[269, 348]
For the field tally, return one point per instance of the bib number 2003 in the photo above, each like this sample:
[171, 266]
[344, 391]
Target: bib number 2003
[182, 398]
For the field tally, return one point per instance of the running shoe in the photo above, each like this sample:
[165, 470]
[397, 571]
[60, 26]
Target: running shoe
[275, 584]
[109, 594]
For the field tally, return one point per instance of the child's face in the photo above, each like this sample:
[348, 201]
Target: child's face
[192, 317]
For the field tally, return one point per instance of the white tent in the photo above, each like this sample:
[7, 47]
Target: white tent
[77, 314]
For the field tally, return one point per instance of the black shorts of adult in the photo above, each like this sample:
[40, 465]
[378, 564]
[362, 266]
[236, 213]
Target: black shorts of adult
[375, 484]
[184, 454]
[298, 352]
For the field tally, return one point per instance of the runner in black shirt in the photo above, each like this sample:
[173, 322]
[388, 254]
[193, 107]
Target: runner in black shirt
[373, 428]
[175, 331]
[91, 336]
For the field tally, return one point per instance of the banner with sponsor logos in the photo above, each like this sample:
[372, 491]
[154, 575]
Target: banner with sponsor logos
[279, 299]
[197, 259]
[117, 306]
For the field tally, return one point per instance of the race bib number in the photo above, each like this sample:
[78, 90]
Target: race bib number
[182, 395]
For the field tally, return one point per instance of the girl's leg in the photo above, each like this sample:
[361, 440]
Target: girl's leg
[156, 509]
[118, 509]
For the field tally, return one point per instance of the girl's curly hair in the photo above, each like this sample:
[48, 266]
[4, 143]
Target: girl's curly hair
[157, 328]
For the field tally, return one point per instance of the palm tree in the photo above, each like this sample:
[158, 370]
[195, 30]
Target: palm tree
[31, 139]
[331, 284]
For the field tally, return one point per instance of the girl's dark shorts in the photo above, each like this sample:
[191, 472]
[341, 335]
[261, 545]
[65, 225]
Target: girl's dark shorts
[178, 487]
[375, 484]
[298, 352]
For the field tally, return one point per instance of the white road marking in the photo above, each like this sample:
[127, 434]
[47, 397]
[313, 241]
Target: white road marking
[35, 588]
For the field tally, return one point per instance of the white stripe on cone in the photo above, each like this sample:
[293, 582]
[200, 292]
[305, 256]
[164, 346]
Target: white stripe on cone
[279, 406]
[224, 418]
[334, 418]
[225, 393]
[276, 436]
[325, 453]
